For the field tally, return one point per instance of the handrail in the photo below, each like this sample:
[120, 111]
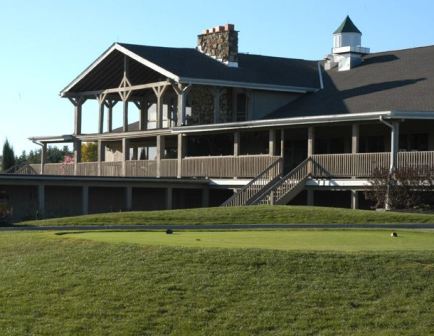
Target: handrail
[16, 169]
[245, 194]
[281, 187]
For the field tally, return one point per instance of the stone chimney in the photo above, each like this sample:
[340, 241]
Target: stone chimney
[220, 43]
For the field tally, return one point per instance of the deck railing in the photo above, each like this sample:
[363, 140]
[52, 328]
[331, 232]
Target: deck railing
[363, 164]
[247, 166]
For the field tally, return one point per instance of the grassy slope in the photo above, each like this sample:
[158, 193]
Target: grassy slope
[306, 240]
[56, 286]
[242, 215]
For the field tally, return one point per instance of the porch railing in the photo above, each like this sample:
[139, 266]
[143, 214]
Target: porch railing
[363, 164]
[248, 166]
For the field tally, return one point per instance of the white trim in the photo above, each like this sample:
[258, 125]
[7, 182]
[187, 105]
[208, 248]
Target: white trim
[321, 81]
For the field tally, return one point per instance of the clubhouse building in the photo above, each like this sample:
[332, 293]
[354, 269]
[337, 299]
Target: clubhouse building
[211, 126]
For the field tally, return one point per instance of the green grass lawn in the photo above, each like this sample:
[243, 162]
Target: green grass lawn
[53, 285]
[243, 215]
[306, 240]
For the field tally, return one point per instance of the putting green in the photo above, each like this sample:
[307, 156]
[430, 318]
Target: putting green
[310, 240]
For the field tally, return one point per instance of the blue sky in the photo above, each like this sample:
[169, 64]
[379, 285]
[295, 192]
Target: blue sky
[46, 44]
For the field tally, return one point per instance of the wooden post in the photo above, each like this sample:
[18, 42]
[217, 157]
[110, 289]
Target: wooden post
[125, 116]
[77, 155]
[160, 152]
[354, 199]
[125, 85]
[85, 200]
[271, 142]
[182, 92]
[355, 139]
[310, 148]
[101, 156]
[159, 92]
[205, 197]
[143, 106]
[169, 198]
[310, 197]
[101, 102]
[236, 143]
[110, 104]
[282, 143]
[41, 200]
[181, 152]
[78, 103]
[125, 155]
[128, 198]
[43, 157]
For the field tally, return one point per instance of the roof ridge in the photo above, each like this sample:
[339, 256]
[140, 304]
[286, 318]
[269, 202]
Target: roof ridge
[403, 49]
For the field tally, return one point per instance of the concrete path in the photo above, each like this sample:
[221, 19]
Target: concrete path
[161, 227]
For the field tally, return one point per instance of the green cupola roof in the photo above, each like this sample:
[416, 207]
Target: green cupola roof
[347, 27]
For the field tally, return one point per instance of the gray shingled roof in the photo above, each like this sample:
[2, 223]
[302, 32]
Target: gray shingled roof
[190, 63]
[396, 80]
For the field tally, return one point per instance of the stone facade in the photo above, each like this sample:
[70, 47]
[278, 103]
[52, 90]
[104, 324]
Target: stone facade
[220, 43]
[201, 101]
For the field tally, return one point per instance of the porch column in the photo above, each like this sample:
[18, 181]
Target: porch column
[394, 145]
[354, 199]
[169, 198]
[182, 92]
[77, 155]
[159, 92]
[355, 139]
[125, 155]
[128, 198]
[85, 200]
[271, 142]
[160, 152]
[310, 197]
[78, 103]
[216, 94]
[181, 153]
[143, 106]
[101, 102]
[101, 156]
[43, 157]
[236, 143]
[110, 104]
[310, 149]
[205, 197]
[282, 142]
[41, 200]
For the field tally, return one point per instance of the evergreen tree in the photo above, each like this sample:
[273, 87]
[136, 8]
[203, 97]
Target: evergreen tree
[8, 156]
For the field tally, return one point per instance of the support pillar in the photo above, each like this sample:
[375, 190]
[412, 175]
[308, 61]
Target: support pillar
[236, 143]
[77, 155]
[394, 146]
[160, 152]
[43, 157]
[182, 92]
[101, 102]
[78, 103]
[143, 106]
[41, 201]
[310, 197]
[205, 197]
[181, 153]
[282, 143]
[101, 156]
[354, 199]
[159, 92]
[310, 148]
[169, 198]
[128, 198]
[85, 200]
[125, 155]
[110, 104]
[355, 139]
[271, 142]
